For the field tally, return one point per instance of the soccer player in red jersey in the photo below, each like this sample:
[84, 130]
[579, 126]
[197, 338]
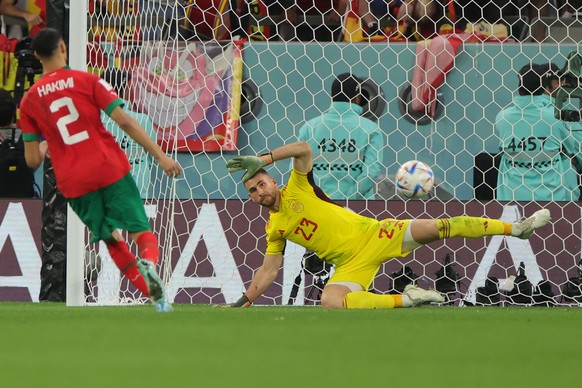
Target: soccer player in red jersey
[92, 171]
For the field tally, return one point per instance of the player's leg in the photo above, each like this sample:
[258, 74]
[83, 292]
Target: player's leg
[125, 211]
[91, 210]
[424, 231]
[333, 295]
[347, 288]
[352, 296]
[147, 245]
[126, 261]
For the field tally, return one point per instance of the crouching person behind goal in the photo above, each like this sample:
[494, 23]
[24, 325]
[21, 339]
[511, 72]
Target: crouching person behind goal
[300, 212]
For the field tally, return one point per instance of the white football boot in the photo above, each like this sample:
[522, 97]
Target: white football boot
[418, 296]
[524, 229]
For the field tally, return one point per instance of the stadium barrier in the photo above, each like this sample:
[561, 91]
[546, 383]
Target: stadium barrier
[213, 263]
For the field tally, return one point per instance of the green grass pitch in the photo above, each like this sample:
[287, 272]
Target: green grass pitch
[51, 345]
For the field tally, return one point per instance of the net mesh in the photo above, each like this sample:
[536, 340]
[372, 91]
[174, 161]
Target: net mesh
[222, 78]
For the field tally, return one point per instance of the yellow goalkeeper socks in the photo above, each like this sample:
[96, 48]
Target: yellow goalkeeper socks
[472, 227]
[367, 300]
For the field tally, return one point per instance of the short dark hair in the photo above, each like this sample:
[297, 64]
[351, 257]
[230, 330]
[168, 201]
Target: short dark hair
[531, 80]
[260, 171]
[46, 42]
[7, 108]
[346, 87]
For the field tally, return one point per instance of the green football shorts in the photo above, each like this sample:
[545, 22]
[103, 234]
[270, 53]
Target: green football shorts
[117, 206]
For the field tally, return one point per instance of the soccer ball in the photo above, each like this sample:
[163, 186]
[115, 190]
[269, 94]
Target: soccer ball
[414, 179]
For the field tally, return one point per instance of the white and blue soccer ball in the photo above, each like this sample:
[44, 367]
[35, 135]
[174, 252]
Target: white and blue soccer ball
[414, 179]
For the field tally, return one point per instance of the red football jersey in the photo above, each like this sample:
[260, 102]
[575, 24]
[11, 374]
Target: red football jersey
[65, 106]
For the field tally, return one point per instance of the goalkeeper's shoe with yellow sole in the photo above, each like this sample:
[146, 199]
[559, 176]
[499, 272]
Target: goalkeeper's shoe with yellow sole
[155, 286]
[524, 229]
[418, 296]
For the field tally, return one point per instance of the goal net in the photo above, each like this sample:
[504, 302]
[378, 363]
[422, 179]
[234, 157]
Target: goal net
[220, 78]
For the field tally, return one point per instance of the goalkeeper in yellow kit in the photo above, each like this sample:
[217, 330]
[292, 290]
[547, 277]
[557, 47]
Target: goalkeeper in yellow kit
[300, 212]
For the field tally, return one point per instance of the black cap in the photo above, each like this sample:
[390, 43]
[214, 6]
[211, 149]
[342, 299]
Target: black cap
[346, 87]
[531, 80]
[550, 71]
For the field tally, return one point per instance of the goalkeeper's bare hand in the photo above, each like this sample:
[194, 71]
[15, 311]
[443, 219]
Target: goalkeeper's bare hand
[250, 163]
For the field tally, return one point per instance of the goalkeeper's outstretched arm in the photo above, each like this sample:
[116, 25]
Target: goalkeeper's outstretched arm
[300, 152]
[263, 278]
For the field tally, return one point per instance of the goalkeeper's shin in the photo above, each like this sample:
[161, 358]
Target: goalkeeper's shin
[367, 300]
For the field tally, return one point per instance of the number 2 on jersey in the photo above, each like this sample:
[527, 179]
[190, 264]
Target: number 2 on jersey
[67, 119]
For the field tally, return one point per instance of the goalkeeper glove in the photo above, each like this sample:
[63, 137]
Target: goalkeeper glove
[242, 302]
[250, 163]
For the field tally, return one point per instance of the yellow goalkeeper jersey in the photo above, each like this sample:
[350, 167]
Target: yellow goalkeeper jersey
[309, 218]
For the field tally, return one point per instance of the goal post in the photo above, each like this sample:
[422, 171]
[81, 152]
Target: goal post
[211, 99]
[75, 228]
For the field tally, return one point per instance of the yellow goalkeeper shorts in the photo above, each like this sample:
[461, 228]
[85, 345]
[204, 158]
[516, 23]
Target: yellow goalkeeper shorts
[384, 243]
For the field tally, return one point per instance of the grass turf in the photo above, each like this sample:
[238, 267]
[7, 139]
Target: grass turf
[51, 345]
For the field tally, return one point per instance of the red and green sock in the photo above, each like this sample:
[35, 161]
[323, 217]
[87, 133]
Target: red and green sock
[127, 264]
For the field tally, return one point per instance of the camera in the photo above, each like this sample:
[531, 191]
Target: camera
[570, 90]
[27, 60]
[24, 53]
[569, 115]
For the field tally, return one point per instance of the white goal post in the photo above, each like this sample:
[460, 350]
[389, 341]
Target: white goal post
[75, 228]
